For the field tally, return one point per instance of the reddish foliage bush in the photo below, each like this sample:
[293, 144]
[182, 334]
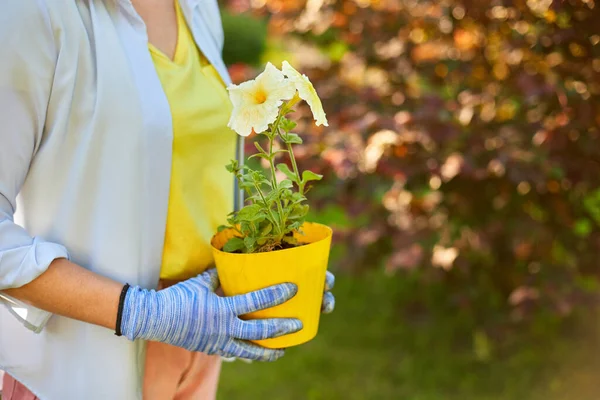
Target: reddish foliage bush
[463, 140]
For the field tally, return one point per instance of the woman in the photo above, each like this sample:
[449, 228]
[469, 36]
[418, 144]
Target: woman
[113, 133]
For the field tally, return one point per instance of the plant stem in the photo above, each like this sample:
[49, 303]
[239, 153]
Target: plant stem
[262, 196]
[291, 103]
[274, 130]
[284, 110]
[295, 168]
[294, 164]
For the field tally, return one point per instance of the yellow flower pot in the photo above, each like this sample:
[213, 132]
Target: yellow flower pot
[304, 265]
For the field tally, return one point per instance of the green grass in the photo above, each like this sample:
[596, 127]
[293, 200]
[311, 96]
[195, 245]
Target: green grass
[380, 344]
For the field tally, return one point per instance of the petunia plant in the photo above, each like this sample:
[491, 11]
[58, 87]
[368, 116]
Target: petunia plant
[275, 208]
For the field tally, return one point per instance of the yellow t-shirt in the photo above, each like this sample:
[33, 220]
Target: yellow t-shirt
[201, 193]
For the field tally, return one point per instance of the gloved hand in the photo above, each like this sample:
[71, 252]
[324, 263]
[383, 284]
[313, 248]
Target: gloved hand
[328, 299]
[190, 315]
[326, 307]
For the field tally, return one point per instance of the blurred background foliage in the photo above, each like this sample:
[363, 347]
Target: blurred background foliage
[462, 178]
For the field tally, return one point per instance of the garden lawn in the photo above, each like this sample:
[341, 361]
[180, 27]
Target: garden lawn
[372, 347]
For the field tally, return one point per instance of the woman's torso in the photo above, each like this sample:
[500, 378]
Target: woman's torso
[201, 193]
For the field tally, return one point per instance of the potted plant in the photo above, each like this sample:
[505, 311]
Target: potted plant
[268, 241]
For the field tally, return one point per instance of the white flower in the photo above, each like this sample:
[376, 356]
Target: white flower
[307, 92]
[256, 102]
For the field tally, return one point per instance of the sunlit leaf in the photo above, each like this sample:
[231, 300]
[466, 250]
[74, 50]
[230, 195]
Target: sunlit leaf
[291, 138]
[234, 244]
[286, 170]
[308, 176]
[287, 124]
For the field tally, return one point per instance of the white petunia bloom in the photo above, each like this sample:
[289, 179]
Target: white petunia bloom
[256, 102]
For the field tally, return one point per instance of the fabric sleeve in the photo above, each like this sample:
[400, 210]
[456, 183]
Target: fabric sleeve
[28, 55]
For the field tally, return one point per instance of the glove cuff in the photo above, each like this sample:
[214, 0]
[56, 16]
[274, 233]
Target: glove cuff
[138, 306]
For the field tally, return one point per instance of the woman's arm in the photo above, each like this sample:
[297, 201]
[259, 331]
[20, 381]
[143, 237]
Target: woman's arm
[72, 291]
[188, 315]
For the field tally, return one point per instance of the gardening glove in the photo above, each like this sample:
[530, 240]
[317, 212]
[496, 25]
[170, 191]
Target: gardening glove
[327, 307]
[328, 299]
[190, 315]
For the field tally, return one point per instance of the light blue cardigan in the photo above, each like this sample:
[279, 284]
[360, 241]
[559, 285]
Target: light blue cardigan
[85, 158]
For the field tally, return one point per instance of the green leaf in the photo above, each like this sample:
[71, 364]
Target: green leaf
[265, 181]
[294, 197]
[233, 244]
[266, 229]
[257, 176]
[285, 194]
[250, 211]
[221, 228]
[291, 138]
[299, 211]
[249, 242]
[253, 215]
[258, 217]
[294, 226]
[259, 148]
[233, 166]
[271, 197]
[274, 220]
[287, 124]
[280, 151]
[245, 227]
[290, 240]
[310, 176]
[259, 155]
[247, 185]
[285, 184]
[254, 198]
[297, 198]
[286, 170]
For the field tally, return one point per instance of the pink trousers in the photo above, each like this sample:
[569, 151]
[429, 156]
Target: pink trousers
[171, 373]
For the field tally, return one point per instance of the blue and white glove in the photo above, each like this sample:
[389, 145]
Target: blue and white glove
[190, 315]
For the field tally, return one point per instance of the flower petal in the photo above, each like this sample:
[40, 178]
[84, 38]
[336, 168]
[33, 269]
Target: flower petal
[243, 93]
[257, 117]
[307, 92]
[275, 85]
